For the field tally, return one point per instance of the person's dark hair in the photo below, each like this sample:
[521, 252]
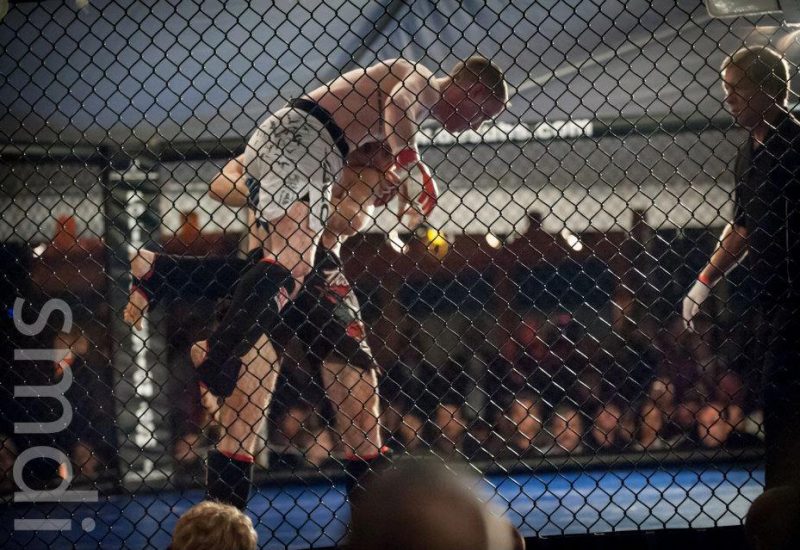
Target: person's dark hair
[764, 67]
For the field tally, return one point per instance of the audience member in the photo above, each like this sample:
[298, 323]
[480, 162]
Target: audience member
[607, 434]
[424, 505]
[520, 426]
[567, 430]
[450, 427]
[214, 526]
[721, 426]
[773, 521]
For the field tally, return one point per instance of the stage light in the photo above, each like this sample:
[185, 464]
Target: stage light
[493, 241]
[572, 240]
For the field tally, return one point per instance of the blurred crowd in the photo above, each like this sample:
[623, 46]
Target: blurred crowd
[469, 384]
[545, 394]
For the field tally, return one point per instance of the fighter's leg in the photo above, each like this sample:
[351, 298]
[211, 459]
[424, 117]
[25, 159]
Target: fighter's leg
[242, 416]
[258, 298]
[353, 392]
[156, 277]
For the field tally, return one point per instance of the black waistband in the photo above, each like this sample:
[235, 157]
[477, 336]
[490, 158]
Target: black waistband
[326, 259]
[313, 109]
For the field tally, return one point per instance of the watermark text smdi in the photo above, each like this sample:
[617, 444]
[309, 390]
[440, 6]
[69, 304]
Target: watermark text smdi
[56, 391]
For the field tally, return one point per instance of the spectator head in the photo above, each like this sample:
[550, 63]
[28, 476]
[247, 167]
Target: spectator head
[522, 421]
[662, 393]
[755, 79]
[566, 425]
[214, 526]
[773, 521]
[439, 504]
[730, 389]
[606, 425]
[714, 425]
[450, 423]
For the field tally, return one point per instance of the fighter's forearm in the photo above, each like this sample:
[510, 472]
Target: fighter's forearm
[731, 250]
[229, 186]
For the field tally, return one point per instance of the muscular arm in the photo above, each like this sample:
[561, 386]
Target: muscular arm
[229, 186]
[402, 113]
[731, 249]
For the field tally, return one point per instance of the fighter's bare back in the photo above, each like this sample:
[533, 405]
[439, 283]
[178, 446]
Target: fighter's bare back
[380, 103]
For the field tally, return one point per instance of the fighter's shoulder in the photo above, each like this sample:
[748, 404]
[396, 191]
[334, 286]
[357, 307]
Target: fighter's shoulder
[403, 68]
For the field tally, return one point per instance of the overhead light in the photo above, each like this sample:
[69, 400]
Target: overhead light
[572, 240]
[741, 8]
[752, 8]
[493, 241]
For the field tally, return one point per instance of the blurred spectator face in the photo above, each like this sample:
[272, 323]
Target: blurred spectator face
[713, 428]
[530, 340]
[652, 424]
[744, 98]
[606, 424]
[567, 429]
[662, 392]
[685, 414]
[526, 421]
[450, 422]
[85, 460]
[730, 389]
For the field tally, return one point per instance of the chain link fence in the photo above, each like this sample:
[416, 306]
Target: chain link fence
[534, 323]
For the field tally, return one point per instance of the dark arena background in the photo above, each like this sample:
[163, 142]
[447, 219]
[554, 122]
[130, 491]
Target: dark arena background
[595, 327]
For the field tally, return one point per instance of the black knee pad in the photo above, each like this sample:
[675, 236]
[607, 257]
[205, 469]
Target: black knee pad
[254, 311]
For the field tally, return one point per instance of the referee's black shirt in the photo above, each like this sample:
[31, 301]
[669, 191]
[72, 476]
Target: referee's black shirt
[767, 201]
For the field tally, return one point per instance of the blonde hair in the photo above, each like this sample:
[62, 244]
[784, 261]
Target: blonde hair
[481, 70]
[764, 67]
[214, 526]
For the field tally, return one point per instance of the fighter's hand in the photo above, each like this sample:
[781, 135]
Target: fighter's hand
[135, 310]
[419, 195]
[698, 294]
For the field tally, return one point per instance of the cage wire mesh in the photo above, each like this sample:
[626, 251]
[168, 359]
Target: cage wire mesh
[533, 322]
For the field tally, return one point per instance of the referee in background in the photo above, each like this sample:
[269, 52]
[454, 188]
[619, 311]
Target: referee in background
[766, 225]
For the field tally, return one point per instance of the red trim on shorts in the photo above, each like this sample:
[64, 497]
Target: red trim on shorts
[371, 456]
[239, 457]
[406, 157]
[705, 279]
